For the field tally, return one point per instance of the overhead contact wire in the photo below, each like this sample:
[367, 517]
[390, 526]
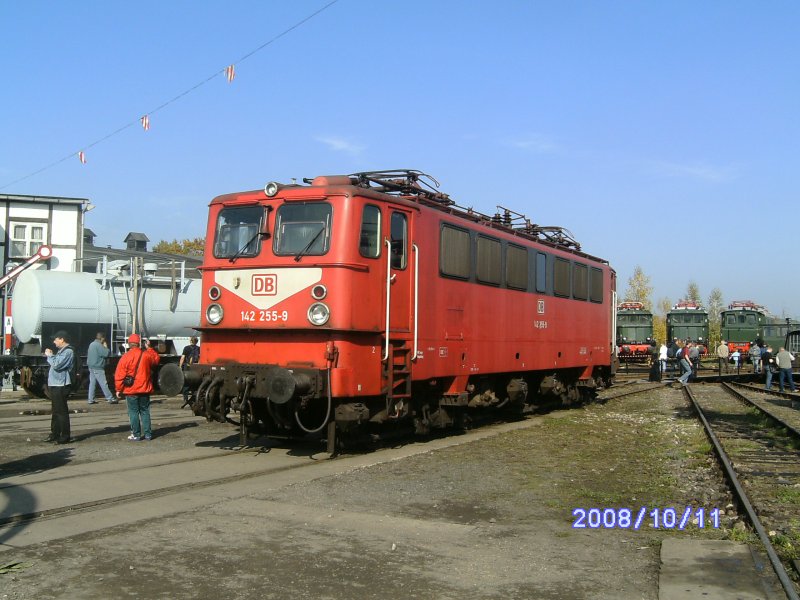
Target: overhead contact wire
[176, 98]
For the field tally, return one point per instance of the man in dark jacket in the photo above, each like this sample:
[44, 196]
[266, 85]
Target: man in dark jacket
[768, 364]
[58, 382]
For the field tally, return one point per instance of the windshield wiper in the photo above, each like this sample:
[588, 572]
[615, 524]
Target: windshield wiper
[246, 244]
[302, 252]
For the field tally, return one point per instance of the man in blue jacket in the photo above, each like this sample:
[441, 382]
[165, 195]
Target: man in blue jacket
[96, 361]
[58, 381]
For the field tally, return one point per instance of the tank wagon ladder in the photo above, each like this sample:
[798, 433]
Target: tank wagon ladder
[123, 313]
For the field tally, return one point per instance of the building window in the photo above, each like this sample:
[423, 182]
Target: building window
[488, 267]
[517, 267]
[454, 254]
[26, 238]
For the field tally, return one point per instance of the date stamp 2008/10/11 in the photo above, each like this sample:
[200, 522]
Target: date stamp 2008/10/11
[655, 518]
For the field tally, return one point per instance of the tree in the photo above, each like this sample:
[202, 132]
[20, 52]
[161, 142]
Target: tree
[693, 293]
[660, 319]
[639, 288]
[185, 247]
[715, 306]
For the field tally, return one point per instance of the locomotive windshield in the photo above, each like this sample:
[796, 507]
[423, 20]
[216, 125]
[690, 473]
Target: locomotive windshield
[303, 228]
[237, 232]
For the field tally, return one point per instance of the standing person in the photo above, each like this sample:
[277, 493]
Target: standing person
[784, 359]
[755, 357]
[655, 363]
[768, 363]
[136, 365]
[58, 381]
[672, 349]
[735, 358]
[96, 361]
[189, 356]
[722, 355]
[686, 364]
[662, 357]
[694, 358]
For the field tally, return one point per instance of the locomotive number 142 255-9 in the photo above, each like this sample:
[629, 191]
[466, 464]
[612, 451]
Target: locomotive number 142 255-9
[264, 316]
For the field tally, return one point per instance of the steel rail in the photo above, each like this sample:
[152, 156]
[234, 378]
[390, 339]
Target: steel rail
[52, 513]
[742, 398]
[777, 565]
[646, 388]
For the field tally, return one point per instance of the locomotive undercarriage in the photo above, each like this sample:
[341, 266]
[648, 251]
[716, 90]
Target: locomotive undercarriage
[296, 403]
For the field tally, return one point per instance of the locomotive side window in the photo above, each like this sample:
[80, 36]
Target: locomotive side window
[580, 281]
[399, 234]
[454, 254]
[517, 267]
[488, 267]
[561, 273]
[370, 238]
[237, 231]
[303, 228]
[541, 272]
[596, 285]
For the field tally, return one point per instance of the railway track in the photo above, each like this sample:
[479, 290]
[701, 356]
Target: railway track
[758, 444]
[176, 475]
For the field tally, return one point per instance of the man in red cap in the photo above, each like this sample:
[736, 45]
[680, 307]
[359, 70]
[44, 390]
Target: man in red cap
[133, 378]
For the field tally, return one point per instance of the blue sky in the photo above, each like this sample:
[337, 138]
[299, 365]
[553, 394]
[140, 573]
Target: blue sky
[664, 135]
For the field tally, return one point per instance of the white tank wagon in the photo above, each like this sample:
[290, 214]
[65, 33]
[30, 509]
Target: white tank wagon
[164, 309]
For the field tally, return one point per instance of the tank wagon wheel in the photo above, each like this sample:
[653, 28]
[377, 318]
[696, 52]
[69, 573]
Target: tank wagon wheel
[32, 383]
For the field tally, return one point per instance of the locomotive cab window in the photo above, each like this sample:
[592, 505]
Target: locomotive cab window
[237, 231]
[369, 244]
[454, 254]
[399, 235]
[303, 229]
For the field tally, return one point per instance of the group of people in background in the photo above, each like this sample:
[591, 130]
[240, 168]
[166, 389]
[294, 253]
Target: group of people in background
[133, 380]
[687, 354]
[764, 360]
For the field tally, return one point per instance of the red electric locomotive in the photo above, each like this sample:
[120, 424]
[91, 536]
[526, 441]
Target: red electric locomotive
[355, 302]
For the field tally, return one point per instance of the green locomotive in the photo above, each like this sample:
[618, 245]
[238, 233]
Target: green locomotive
[688, 320]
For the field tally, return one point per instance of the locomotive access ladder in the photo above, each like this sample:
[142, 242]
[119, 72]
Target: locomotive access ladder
[397, 373]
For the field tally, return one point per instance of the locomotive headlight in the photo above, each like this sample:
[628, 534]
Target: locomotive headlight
[318, 313]
[318, 292]
[214, 313]
[214, 293]
[272, 188]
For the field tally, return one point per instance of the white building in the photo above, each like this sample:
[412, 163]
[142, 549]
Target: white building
[28, 222]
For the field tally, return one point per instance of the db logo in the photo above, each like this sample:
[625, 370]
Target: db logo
[264, 285]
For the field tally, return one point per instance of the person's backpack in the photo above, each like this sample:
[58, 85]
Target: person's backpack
[679, 353]
[671, 352]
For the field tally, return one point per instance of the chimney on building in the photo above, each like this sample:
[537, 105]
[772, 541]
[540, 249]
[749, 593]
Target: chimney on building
[136, 241]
